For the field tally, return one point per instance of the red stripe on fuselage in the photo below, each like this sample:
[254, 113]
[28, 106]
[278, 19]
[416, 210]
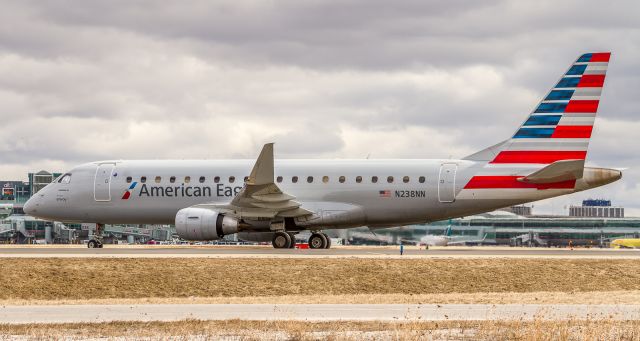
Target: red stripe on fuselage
[510, 156]
[126, 195]
[591, 81]
[572, 132]
[488, 182]
[590, 106]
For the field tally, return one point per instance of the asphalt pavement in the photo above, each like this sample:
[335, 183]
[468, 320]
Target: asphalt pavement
[265, 251]
[312, 312]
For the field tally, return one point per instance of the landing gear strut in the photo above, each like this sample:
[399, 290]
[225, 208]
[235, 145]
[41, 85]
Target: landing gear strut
[319, 241]
[282, 240]
[96, 242]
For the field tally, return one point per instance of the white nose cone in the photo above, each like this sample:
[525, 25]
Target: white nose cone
[29, 206]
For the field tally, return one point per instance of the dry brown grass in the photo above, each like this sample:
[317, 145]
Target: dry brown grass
[78, 279]
[346, 330]
[589, 297]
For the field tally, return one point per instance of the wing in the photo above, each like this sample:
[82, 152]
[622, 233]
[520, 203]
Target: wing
[261, 198]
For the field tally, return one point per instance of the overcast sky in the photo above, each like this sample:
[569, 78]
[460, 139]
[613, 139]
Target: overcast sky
[87, 80]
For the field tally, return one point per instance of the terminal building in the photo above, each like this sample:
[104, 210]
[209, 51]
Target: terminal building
[504, 227]
[596, 208]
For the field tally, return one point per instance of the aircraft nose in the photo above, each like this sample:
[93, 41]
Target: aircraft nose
[29, 206]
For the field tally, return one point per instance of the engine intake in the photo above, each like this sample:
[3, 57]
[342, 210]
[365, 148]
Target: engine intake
[195, 223]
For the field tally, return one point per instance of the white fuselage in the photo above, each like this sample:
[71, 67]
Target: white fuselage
[386, 192]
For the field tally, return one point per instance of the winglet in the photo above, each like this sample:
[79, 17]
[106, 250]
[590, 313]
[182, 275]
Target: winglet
[262, 172]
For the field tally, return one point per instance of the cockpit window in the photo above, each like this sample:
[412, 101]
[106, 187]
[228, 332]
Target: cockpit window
[65, 179]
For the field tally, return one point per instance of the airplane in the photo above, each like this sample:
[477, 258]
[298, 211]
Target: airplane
[274, 200]
[447, 239]
[626, 243]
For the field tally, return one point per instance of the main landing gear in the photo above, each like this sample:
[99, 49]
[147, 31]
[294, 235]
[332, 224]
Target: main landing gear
[96, 242]
[283, 240]
[319, 241]
[287, 240]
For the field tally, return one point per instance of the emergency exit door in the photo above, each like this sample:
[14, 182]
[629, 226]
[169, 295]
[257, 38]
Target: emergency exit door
[447, 182]
[102, 182]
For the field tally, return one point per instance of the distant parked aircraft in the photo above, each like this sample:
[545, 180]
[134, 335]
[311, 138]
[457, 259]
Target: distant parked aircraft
[447, 239]
[626, 243]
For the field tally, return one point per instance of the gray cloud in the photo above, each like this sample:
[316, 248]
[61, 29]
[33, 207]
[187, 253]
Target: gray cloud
[142, 79]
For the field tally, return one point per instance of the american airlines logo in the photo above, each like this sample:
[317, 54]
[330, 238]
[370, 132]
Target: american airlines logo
[182, 191]
[127, 193]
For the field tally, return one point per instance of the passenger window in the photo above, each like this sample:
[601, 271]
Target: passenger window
[374, 179]
[232, 179]
[405, 179]
[202, 179]
[294, 179]
[158, 179]
[143, 179]
[172, 179]
[389, 179]
[279, 179]
[358, 179]
[129, 179]
[325, 179]
[421, 179]
[341, 179]
[216, 179]
[309, 179]
[65, 179]
[187, 179]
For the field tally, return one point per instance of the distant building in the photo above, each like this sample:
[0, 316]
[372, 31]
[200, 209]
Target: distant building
[39, 180]
[596, 208]
[12, 192]
[519, 210]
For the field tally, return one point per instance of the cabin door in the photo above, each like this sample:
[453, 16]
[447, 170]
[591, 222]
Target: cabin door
[102, 182]
[447, 182]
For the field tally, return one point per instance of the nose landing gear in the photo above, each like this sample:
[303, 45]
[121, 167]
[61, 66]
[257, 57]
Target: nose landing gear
[96, 242]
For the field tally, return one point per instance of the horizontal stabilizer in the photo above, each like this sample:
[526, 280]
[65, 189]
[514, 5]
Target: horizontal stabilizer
[556, 172]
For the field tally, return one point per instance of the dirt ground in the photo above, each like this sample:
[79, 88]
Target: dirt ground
[345, 330]
[23, 279]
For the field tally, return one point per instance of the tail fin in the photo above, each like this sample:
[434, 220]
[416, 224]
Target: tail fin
[560, 126]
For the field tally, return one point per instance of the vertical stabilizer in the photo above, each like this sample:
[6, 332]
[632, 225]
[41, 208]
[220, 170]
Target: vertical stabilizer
[560, 126]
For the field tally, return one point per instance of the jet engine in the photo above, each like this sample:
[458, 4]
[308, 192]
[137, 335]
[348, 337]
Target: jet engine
[194, 223]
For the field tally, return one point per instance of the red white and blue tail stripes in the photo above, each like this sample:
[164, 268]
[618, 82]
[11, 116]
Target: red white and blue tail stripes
[559, 128]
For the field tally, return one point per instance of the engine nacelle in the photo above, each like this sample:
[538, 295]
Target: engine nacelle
[195, 223]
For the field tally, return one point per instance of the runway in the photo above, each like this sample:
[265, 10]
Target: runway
[313, 312]
[337, 252]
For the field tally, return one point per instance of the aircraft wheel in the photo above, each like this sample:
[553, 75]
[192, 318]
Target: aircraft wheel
[281, 240]
[317, 241]
[293, 241]
[328, 246]
[92, 244]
